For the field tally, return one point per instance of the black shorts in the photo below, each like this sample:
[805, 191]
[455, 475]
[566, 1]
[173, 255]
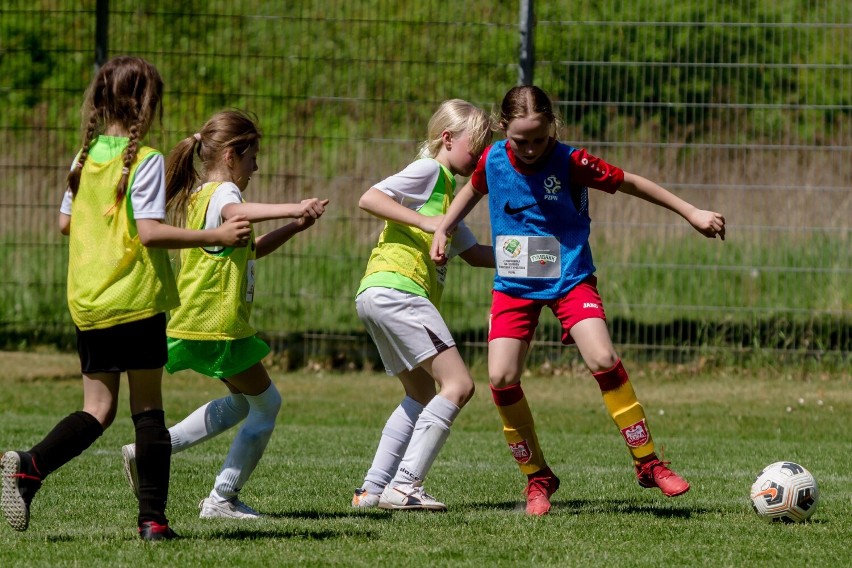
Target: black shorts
[136, 345]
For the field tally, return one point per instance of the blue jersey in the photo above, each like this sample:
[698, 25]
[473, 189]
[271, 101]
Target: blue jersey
[540, 232]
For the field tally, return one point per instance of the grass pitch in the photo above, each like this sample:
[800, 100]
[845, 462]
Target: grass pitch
[719, 427]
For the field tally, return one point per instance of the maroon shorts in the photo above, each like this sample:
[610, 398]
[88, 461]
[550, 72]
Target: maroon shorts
[517, 318]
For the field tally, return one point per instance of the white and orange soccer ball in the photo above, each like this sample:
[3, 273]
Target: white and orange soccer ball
[784, 492]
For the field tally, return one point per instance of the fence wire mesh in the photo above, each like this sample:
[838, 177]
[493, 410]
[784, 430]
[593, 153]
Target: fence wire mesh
[742, 107]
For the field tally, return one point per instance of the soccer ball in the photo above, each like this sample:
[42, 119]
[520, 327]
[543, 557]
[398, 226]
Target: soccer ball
[784, 492]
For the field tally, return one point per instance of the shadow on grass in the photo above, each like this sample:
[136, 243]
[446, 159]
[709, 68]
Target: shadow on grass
[583, 506]
[243, 533]
[316, 515]
[259, 533]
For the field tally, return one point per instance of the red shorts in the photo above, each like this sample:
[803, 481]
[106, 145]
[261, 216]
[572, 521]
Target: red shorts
[517, 318]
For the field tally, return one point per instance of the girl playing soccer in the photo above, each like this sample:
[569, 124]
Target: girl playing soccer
[398, 301]
[210, 332]
[540, 226]
[120, 285]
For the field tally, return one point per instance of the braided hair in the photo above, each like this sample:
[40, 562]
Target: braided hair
[127, 91]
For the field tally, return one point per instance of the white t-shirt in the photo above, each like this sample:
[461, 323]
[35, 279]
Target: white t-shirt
[225, 194]
[413, 186]
[147, 193]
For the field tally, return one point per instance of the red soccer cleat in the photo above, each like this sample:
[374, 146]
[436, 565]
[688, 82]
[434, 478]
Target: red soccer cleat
[539, 489]
[153, 531]
[654, 473]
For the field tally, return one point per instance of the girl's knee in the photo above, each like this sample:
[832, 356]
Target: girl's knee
[107, 420]
[502, 378]
[458, 391]
[467, 392]
[267, 403]
[105, 415]
[601, 361]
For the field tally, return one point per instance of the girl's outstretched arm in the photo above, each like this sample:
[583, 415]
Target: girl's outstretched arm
[234, 232]
[269, 242]
[383, 206]
[463, 203]
[708, 223]
[257, 212]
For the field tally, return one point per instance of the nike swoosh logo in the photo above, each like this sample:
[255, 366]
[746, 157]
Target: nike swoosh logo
[772, 492]
[513, 210]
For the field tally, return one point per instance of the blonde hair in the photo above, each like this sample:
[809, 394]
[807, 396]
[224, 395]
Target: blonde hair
[127, 91]
[457, 116]
[224, 130]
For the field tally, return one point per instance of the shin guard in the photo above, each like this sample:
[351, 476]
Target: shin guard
[519, 428]
[626, 411]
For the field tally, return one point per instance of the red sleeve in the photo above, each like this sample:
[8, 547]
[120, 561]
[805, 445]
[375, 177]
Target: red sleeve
[589, 171]
[477, 178]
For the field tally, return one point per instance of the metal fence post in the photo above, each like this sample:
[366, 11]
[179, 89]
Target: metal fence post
[101, 32]
[527, 55]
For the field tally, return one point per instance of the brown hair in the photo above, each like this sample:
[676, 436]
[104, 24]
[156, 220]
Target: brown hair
[226, 129]
[128, 91]
[523, 101]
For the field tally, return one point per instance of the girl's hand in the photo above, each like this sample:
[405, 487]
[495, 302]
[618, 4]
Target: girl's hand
[708, 223]
[304, 222]
[314, 210]
[438, 251]
[313, 207]
[234, 232]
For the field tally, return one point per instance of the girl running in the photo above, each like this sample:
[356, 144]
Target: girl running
[210, 332]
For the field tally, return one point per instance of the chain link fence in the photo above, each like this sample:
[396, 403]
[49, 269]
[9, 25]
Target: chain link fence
[741, 107]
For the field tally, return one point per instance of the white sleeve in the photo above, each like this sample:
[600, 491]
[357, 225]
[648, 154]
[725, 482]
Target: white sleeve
[68, 198]
[413, 185]
[225, 194]
[148, 192]
[66, 202]
[463, 239]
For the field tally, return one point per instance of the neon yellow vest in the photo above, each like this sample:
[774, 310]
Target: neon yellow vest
[112, 277]
[216, 289]
[403, 250]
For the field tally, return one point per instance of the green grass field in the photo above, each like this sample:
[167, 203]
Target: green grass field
[719, 427]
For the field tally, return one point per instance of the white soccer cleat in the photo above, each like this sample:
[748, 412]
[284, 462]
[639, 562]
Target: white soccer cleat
[128, 454]
[407, 497]
[363, 500]
[232, 509]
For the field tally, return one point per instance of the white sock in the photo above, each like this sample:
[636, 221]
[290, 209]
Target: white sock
[430, 433]
[208, 421]
[249, 444]
[395, 437]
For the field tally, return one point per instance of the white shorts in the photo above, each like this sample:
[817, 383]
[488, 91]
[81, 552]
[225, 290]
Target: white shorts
[406, 328]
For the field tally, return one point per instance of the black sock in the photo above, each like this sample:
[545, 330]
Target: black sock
[66, 441]
[153, 462]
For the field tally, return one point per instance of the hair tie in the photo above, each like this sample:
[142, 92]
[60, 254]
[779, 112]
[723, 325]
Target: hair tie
[79, 165]
[125, 170]
[197, 136]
